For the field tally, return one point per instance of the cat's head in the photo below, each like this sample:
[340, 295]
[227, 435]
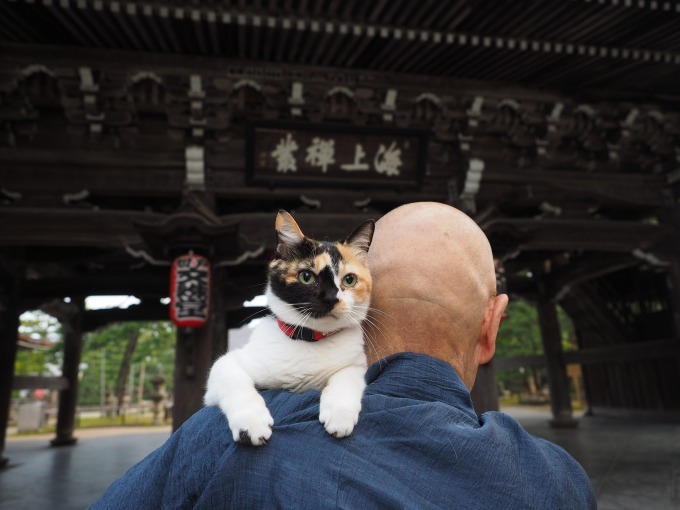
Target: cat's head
[316, 284]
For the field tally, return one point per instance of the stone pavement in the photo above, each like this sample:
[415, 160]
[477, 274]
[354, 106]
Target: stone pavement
[40, 477]
[633, 464]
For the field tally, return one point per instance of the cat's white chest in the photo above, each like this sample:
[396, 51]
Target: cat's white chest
[278, 361]
[335, 365]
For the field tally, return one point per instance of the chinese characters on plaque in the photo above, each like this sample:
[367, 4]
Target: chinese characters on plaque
[190, 291]
[309, 154]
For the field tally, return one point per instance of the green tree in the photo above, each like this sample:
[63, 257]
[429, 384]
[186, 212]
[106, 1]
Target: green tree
[104, 354]
[520, 335]
[38, 326]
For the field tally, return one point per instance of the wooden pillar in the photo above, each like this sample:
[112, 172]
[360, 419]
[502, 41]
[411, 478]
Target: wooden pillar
[673, 279]
[558, 382]
[195, 353]
[9, 328]
[219, 315]
[672, 255]
[485, 392]
[673, 275]
[71, 317]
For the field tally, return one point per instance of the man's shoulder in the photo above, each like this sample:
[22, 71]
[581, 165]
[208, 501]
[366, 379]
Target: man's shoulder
[500, 428]
[549, 472]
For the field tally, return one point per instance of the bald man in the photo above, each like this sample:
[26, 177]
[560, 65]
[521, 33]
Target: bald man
[434, 288]
[418, 443]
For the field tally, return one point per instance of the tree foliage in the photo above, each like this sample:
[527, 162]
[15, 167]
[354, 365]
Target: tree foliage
[104, 351]
[38, 326]
[520, 335]
[102, 355]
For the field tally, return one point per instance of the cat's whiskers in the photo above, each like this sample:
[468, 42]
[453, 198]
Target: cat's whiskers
[373, 324]
[371, 343]
[302, 311]
[249, 317]
[368, 325]
[373, 311]
[306, 319]
[306, 316]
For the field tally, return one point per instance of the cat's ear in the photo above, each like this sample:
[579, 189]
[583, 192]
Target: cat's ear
[362, 236]
[288, 234]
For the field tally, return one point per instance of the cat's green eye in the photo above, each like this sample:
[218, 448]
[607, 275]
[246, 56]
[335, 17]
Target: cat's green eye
[306, 277]
[350, 280]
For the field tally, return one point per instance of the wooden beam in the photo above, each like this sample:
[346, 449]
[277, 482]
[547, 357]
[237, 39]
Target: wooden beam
[621, 353]
[64, 227]
[582, 235]
[586, 268]
[593, 318]
[127, 179]
[94, 319]
[391, 31]
[99, 177]
[635, 189]
[625, 353]
[35, 382]
[69, 227]
[83, 227]
[109, 284]
[14, 55]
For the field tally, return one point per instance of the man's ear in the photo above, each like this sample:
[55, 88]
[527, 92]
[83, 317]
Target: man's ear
[492, 321]
[288, 234]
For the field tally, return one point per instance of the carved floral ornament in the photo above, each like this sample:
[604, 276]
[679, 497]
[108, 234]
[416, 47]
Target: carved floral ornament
[199, 106]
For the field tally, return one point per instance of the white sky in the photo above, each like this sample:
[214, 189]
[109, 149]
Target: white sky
[237, 336]
[99, 302]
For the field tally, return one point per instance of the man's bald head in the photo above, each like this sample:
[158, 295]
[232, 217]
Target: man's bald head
[433, 280]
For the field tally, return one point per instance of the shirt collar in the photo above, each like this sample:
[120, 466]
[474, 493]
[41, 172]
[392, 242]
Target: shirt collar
[420, 377]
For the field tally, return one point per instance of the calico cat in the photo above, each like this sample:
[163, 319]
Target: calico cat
[319, 292]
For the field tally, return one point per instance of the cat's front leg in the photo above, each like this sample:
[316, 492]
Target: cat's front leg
[232, 388]
[341, 401]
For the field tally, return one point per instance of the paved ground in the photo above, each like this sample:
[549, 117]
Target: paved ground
[40, 477]
[633, 464]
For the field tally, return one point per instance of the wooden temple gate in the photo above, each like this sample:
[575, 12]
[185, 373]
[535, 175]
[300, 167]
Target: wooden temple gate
[133, 133]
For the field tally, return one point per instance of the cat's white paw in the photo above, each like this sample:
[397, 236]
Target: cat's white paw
[339, 419]
[251, 425]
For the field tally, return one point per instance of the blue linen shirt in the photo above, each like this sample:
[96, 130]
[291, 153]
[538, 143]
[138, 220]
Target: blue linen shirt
[418, 445]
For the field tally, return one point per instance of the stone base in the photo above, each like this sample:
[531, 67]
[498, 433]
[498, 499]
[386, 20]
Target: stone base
[64, 441]
[563, 422]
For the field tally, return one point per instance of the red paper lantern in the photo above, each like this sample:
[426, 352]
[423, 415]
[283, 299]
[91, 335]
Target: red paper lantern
[190, 291]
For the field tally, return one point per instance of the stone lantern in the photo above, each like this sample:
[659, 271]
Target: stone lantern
[158, 397]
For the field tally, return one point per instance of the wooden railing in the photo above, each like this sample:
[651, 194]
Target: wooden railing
[657, 349]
